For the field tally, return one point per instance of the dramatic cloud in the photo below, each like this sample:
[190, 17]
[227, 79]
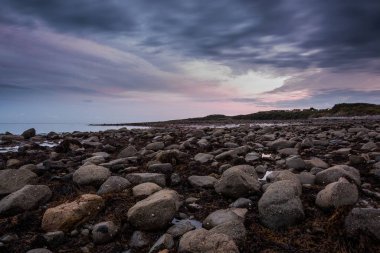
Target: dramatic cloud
[239, 54]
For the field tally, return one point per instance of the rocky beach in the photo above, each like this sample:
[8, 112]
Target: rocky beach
[306, 187]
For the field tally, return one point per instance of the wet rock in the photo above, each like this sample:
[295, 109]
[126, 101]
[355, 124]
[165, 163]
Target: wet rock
[180, 228]
[12, 180]
[280, 205]
[139, 240]
[28, 197]
[127, 152]
[202, 181]
[223, 216]
[337, 194]
[139, 178]
[164, 242]
[295, 162]
[156, 211]
[238, 181]
[91, 175]
[201, 240]
[333, 174]
[68, 215]
[104, 232]
[145, 189]
[203, 158]
[27, 134]
[234, 229]
[230, 154]
[114, 184]
[363, 221]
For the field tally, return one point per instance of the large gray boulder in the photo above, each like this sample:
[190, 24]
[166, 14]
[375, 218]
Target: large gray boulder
[280, 205]
[155, 146]
[363, 221]
[12, 180]
[91, 175]
[238, 181]
[28, 197]
[337, 194]
[204, 241]
[333, 174]
[156, 211]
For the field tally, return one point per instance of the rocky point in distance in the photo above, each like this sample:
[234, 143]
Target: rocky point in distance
[313, 186]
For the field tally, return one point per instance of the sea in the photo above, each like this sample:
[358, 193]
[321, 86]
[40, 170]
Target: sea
[44, 128]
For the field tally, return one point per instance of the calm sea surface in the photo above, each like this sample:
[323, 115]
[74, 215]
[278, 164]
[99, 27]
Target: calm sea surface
[18, 128]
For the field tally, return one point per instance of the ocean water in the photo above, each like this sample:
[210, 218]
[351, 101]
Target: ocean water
[44, 128]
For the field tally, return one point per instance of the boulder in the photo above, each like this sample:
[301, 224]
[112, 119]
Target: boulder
[281, 144]
[114, 184]
[295, 162]
[68, 215]
[91, 175]
[276, 176]
[201, 240]
[202, 181]
[139, 178]
[280, 205]
[233, 229]
[12, 180]
[363, 221]
[155, 146]
[333, 174]
[139, 240]
[127, 152]
[145, 189]
[203, 158]
[316, 162]
[27, 134]
[156, 211]
[337, 194]
[28, 197]
[223, 216]
[238, 181]
[164, 168]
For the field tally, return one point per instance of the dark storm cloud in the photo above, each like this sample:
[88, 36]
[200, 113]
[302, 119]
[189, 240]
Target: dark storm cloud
[277, 33]
[69, 15]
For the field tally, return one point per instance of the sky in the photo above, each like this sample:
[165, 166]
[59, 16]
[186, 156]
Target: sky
[96, 61]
